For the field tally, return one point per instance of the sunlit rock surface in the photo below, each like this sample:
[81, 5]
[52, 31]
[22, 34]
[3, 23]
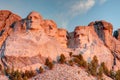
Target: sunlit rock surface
[28, 42]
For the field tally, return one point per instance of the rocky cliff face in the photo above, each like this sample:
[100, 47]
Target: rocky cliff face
[104, 31]
[32, 37]
[35, 38]
[88, 43]
[7, 20]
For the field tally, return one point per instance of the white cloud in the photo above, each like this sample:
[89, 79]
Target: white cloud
[75, 8]
[81, 7]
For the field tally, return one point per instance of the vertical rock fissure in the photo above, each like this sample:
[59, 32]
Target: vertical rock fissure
[3, 57]
[98, 26]
[114, 60]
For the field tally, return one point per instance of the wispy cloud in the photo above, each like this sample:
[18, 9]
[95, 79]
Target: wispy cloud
[75, 8]
[81, 6]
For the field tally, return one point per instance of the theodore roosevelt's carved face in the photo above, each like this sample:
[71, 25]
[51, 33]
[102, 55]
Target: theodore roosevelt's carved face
[62, 36]
[35, 20]
[81, 37]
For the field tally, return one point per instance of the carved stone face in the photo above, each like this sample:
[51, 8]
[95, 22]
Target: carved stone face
[35, 20]
[50, 28]
[81, 37]
[62, 37]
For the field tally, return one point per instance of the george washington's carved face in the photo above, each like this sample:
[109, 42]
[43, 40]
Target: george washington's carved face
[35, 20]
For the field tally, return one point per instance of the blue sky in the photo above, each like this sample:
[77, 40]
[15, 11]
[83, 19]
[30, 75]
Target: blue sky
[68, 13]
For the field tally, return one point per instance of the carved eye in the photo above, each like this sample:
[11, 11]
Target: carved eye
[50, 27]
[61, 35]
[77, 35]
[29, 18]
[35, 17]
[82, 34]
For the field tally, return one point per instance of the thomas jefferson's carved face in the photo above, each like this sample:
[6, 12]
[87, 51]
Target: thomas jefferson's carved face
[35, 20]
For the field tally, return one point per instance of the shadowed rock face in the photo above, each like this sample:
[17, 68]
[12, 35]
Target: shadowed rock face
[116, 34]
[104, 32]
[103, 29]
[99, 30]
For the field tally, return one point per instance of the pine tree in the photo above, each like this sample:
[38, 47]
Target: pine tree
[70, 54]
[100, 72]
[41, 69]
[112, 74]
[7, 71]
[70, 62]
[0, 67]
[25, 78]
[92, 66]
[19, 77]
[47, 61]
[117, 77]
[49, 64]
[105, 69]
[62, 59]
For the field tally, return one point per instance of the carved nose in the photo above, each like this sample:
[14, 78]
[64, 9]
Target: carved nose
[32, 19]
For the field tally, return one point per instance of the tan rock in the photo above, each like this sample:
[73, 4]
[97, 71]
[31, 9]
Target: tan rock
[81, 36]
[34, 36]
[89, 45]
[50, 28]
[62, 37]
[104, 32]
[7, 20]
[35, 20]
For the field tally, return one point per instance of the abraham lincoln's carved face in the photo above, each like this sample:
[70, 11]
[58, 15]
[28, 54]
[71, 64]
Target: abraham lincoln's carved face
[35, 20]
